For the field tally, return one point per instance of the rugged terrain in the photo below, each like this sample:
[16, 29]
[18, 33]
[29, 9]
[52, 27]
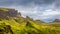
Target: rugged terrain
[11, 22]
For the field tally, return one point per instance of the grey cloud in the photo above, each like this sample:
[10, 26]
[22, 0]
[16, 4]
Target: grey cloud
[25, 2]
[33, 8]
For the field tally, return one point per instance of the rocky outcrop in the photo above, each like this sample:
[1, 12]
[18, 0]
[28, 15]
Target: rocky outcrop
[4, 12]
[12, 12]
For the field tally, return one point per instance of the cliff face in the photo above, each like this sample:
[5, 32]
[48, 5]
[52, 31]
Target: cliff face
[4, 12]
[12, 13]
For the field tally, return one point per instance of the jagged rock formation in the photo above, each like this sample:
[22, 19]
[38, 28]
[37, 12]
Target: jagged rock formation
[5, 12]
[12, 12]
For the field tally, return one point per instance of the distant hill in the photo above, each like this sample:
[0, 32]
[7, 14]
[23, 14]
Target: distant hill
[55, 23]
[56, 20]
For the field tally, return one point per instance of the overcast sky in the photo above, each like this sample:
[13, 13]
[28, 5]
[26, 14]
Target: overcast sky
[46, 10]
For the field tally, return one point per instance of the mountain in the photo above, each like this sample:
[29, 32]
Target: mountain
[11, 22]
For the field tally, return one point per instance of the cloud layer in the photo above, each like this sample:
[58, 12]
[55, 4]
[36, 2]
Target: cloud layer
[46, 10]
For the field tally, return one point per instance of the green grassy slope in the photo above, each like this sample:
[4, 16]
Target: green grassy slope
[29, 27]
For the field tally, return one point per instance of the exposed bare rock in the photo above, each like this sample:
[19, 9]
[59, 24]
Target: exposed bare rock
[4, 12]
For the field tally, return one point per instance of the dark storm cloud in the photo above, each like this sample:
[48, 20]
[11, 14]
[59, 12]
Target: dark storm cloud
[25, 2]
[57, 4]
[39, 2]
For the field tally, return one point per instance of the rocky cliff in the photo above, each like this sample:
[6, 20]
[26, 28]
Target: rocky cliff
[6, 12]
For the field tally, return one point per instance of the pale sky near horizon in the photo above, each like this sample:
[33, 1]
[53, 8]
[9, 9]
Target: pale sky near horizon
[46, 10]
